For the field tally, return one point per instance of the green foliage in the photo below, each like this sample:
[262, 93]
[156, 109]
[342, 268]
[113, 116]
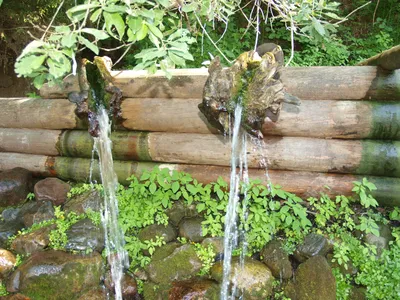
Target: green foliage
[79, 189]
[166, 28]
[363, 189]
[3, 289]
[30, 196]
[206, 254]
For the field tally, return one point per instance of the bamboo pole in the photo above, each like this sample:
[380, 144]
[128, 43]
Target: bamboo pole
[368, 157]
[311, 83]
[303, 184]
[388, 60]
[313, 118]
[38, 113]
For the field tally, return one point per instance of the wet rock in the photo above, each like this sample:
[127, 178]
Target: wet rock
[217, 244]
[10, 214]
[277, 260]
[382, 241]
[52, 189]
[155, 291]
[314, 280]
[32, 242]
[85, 235]
[7, 262]
[314, 244]
[128, 286]
[178, 211]
[255, 280]
[194, 289]
[82, 203]
[151, 232]
[94, 294]
[181, 264]
[165, 250]
[15, 185]
[56, 275]
[36, 212]
[190, 228]
[8, 229]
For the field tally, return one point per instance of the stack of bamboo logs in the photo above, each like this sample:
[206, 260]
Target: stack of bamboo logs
[346, 128]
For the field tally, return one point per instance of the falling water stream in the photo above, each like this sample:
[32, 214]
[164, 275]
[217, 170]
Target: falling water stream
[231, 235]
[114, 237]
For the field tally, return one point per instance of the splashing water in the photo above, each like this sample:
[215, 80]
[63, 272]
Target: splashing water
[114, 236]
[231, 234]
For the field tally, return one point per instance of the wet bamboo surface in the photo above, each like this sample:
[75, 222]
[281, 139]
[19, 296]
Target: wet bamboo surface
[313, 118]
[312, 83]
[303, 184]
[364, 157]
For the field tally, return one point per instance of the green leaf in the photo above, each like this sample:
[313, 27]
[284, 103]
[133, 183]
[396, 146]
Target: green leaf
[98, 34]
[165, 202]
[152, 187]
[27, 64]
[145, 176]
[39, 81]
[220, 194]
[175, 187]
[318, 26]
[200, 207]
[155, 31]
[96, 15]
[115, 9]
[176, 59]
[142, 33]
[114, 20]
[89, 44]
[190, 7]
[135, 24]
[164, 3]
[69, 40]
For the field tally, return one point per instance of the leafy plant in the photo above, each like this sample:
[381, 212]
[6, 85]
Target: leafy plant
[206, 254]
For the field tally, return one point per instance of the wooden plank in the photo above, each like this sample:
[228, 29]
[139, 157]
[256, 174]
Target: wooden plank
[311, 83]
[303, 184]
[388, 60]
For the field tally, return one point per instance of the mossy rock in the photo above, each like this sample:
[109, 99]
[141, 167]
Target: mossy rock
[155, 291]
[314, 280]
[181, 264]
[255, 279]
[56, 275]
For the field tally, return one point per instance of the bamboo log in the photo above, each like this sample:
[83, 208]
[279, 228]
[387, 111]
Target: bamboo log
[368, 157]
[312, 83]
[303, 184]
[318, 119]
[388, 60]
[38, 113]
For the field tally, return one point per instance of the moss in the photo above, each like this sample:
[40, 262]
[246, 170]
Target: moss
[385, 120]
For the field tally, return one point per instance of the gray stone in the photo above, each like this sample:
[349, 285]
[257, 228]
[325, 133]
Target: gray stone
[8, 229]
[277, 260]
[10, 214]
[314, 244]
[382, 241]
[150, 232]
[35, 212]
[254, 280]
[85, 235]
[181, 264]
[82, 203]
[190, 228]
[56, 275]
[178, 211]
[52, 189]
[314, 280]
[15, 185]
[217, 244]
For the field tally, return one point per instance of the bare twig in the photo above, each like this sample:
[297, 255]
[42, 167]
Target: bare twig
[291, 41]
[211, 40]
[52, 20]
[375, 10]
[346, 17]
[123, 54]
